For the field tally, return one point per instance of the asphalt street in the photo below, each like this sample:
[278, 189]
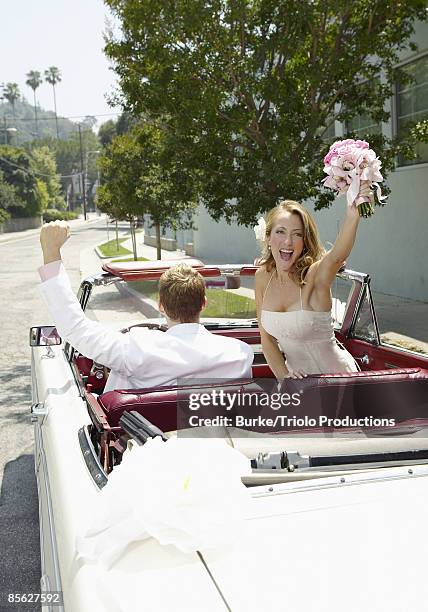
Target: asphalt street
[21, 307]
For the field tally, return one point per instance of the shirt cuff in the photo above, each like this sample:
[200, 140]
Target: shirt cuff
[50, 270]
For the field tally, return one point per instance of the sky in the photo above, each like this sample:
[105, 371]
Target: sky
[37, 34]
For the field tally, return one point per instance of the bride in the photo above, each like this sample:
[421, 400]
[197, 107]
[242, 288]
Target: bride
[293, 292]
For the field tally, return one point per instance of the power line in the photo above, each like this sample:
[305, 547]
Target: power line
[60, 117]
[33, 172]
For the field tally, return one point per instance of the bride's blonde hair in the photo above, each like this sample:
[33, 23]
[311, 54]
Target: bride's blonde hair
[313, 250]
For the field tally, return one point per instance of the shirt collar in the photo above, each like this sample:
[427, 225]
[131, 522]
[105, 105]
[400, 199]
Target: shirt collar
[185, 328]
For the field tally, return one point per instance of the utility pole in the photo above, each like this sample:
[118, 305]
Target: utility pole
[82, 175]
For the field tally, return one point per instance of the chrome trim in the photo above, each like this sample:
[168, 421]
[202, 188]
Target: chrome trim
[365, 290]
[34, 388]
[92, 463]
[38, 412]
[361, 277]
[393, 473]
[364, 359]
[403, 350]
[51, 527]
[372, 310]
[357, 308]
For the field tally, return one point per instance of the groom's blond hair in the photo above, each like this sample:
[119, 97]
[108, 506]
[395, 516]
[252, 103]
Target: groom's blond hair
[182, 293]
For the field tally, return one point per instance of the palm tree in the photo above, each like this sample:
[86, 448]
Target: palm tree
[53, 76]
[34, 80]
[11, 94]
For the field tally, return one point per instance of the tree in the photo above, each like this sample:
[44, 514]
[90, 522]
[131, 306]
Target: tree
[34, 80]
[67, 155]
[45, 164]
[8, 199]
[107, 132]
[250, 88]
[12, 95]
[18, 170]
[140, 176]
[53, 76]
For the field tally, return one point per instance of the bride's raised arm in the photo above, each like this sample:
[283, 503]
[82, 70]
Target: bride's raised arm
[333, 260]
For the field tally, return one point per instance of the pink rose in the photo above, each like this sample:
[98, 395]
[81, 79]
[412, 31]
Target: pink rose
[343, 148]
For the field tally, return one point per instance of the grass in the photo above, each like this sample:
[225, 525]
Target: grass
[131, 259]
[221, 303]
[109, 249]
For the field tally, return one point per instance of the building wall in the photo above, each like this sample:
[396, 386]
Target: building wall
[392, 246]
[222, 243]
[19, 224]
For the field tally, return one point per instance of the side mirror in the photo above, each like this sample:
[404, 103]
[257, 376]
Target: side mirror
[46, 335]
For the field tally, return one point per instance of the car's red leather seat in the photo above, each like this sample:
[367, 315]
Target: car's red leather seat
[159, 406]
[400, 392]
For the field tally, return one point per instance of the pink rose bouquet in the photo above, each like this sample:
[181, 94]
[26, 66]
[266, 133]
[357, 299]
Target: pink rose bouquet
[349, 163]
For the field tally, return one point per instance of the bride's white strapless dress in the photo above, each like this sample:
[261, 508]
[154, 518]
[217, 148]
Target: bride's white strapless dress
[307, 339]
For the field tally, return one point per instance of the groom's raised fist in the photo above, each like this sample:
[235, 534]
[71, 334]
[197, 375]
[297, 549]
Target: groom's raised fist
[52, 237]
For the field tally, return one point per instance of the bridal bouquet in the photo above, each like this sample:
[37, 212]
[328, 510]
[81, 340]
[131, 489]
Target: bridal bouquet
[347, 164]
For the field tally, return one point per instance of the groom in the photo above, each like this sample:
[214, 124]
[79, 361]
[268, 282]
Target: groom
[143, 357]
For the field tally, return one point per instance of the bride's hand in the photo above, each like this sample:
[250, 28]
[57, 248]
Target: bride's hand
[365, 194]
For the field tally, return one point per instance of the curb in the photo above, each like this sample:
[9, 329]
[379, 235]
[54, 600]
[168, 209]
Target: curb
[101, 256]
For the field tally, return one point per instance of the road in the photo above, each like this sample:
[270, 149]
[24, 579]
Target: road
[20, 307]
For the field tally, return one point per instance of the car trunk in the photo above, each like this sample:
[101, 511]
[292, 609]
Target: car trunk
[343, 544]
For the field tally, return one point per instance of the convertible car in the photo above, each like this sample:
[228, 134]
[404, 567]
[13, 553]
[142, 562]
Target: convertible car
[336, 512]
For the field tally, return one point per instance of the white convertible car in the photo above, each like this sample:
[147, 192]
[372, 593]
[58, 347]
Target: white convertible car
[324, 518]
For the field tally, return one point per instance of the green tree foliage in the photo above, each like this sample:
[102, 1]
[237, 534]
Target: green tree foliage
[141, 175]
[67, 155]
[19, 171]
[43, 194]
[45, 164]
[107, 132]
[249, 87]
[8, 199]
[11, 94]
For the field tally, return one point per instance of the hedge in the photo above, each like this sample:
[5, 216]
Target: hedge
[61, 215]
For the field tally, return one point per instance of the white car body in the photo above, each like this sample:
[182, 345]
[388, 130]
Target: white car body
[354, 540]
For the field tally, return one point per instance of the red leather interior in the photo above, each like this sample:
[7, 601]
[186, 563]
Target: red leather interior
[402, 391]
[84, 366]
[158, 406]
[384, 356]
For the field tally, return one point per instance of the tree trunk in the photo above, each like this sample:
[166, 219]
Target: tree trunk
[35, 113]
[56, 115]
[134, 242]
[117, 238]
[158, 241]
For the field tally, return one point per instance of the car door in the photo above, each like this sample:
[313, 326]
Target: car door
[361, 337]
